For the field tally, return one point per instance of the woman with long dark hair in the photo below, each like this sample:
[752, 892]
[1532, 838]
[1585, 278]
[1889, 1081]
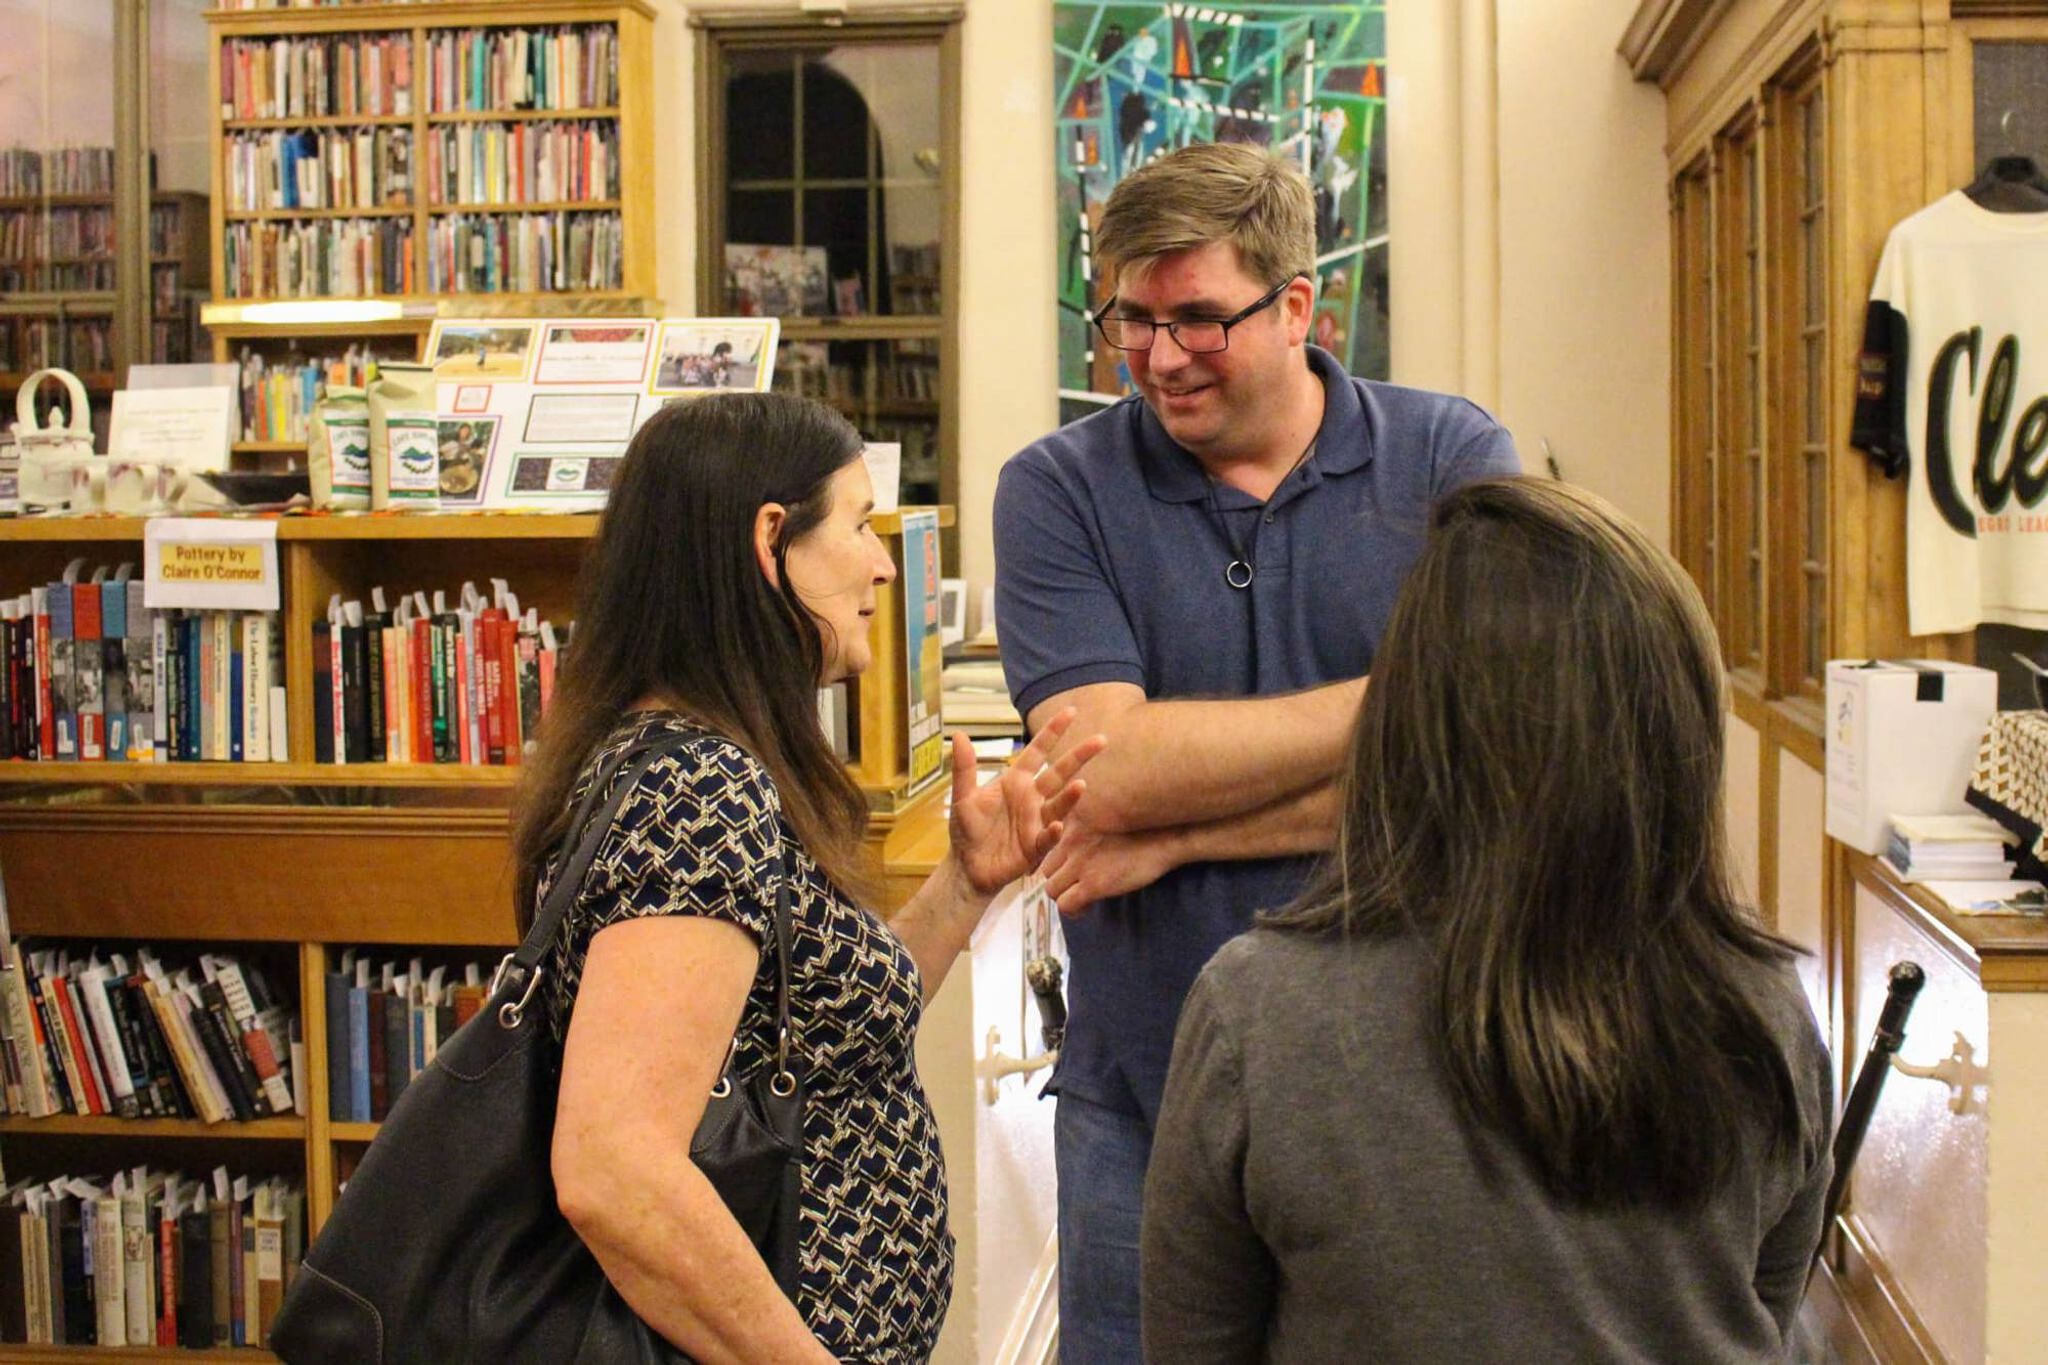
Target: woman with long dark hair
[733, 574]
[1519, 1077]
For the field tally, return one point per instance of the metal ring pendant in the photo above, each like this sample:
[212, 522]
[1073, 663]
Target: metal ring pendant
[1238, 574]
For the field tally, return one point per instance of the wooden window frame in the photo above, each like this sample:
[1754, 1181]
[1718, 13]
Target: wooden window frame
[719, 32]
[1744, 408]
[1696, 499]
[1798, 521]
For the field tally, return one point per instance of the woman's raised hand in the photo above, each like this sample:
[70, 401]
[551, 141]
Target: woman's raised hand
[1003, 829]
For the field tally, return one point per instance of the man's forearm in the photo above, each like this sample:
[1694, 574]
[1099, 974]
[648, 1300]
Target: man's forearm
[1091, 865]
[1293, 826]
[1181, 763]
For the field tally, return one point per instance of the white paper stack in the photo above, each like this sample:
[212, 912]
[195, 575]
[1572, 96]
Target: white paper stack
[1966, 847]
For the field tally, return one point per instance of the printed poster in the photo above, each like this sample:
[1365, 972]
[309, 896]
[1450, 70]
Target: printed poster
[922, 650]
[537, 412]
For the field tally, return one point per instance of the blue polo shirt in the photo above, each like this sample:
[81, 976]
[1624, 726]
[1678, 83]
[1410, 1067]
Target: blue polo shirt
[1110, 565]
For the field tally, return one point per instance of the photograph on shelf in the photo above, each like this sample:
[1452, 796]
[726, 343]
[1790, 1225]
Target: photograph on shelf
[545, 478]
[776, 281]
[593, 353]
[470, 351]
[580, 418]
[465, 458]
[709, 355]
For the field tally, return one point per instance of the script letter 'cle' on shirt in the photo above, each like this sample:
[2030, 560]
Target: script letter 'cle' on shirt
[1952, 392]
[1110, 562]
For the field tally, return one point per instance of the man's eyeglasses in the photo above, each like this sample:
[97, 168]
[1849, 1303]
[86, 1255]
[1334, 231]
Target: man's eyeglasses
[1197, 336]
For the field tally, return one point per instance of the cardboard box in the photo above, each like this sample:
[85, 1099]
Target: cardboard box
[1902, 739]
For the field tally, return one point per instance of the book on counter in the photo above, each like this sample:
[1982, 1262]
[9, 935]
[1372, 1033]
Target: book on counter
[1949, 847]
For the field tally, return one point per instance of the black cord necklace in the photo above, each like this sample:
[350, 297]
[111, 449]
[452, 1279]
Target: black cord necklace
[1243, 567]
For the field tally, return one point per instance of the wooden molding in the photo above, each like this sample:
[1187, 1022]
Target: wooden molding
[1882, 1314]
[1662, 35]
[807, 20]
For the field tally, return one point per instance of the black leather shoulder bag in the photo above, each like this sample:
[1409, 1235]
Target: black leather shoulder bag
[447, 1244]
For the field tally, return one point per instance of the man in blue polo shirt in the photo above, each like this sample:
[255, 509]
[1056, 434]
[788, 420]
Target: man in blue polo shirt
[1203, 571]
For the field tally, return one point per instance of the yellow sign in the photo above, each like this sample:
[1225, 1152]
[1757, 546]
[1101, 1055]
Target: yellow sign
[201, 562]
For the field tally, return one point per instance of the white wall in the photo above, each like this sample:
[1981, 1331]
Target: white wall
[1584, 255]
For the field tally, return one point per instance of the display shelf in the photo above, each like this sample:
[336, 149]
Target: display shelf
[294, 215]
[353, 1132]
[255, 125]
[19, 772]
[518, 115]
[73, 1125]
[538, 206]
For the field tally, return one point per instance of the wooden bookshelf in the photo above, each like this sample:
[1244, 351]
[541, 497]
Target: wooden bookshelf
[50, 302]
[633, 116]
[39, 1355]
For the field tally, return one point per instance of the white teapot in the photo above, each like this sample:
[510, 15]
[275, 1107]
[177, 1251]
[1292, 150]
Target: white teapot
[52, 457]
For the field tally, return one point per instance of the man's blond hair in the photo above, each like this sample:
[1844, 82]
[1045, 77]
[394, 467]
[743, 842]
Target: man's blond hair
[1212, 192]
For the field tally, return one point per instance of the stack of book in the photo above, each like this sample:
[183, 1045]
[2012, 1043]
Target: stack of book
[148, 1258]
[131, 1037]
[1952, 848]
[427, 683]
[385, 1024]
[88, 672]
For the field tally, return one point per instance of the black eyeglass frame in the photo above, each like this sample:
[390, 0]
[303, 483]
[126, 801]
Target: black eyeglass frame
[1265, 300]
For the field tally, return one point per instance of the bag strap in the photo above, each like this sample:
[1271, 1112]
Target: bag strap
[784, 1081]
[587, 829]
[585, 836]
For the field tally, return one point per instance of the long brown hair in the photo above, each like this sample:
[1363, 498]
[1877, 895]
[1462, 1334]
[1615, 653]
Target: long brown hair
[673, 605]
[1535, 790]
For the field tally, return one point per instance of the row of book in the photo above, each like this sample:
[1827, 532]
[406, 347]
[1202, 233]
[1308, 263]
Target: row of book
[148, 1258]
[324, 76]
[384, 1025]
[71, 277]
[80, 344]
[95, 1036]
[528, 253]
[422, 682]
[479, 69]
[88, 672]
[326, 168]
[28, 171]
[75, 231]
[333, 256]
[279, 395]
[543, 162]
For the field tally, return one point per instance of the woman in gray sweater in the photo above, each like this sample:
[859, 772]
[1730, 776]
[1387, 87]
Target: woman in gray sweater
[1518, 1078]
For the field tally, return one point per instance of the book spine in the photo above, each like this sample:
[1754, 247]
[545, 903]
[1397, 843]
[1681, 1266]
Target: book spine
[359, 1053]
[340, 1096]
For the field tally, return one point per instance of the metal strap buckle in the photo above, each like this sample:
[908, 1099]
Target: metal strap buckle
[513, 1011]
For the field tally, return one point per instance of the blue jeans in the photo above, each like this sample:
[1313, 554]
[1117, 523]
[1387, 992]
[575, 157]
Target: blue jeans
[1100, 1154]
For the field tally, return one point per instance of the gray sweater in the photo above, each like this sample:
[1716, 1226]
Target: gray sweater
[1312, 1196]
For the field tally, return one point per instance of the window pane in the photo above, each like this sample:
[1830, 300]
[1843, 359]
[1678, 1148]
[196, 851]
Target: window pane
[57, 265]
[1816, 403]
[842, 222]
[760, 116]
[889, 390]
[838, 129]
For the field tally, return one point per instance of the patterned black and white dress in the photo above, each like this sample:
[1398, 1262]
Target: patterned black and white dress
[699, 837]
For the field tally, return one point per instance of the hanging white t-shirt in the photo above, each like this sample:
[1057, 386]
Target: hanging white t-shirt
[1952, 391]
